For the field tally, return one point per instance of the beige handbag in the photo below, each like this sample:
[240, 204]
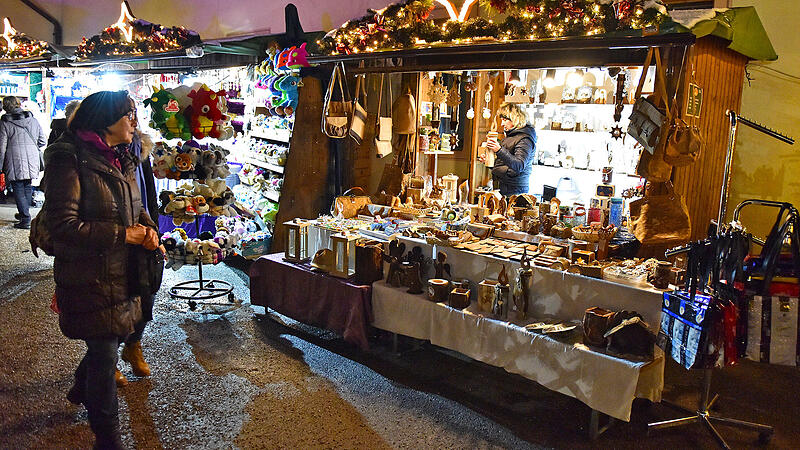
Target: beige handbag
[404, 114]
[350, 204]
[661, 216]
[358, 124]
[684, 142]
[336, 114]
[648, 126]
[383, 125]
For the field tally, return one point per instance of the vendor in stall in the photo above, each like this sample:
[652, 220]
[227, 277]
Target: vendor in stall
[514, 154]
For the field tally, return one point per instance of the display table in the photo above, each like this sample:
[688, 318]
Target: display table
[312, 297]
[605, 383]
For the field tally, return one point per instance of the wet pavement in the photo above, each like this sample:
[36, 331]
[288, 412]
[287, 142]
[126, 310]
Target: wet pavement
[231, 376]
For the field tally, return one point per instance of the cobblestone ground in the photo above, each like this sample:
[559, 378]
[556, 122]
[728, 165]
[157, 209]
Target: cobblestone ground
[232, 377]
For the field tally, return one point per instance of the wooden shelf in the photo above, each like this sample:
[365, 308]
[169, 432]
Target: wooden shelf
[262, 164]
[272, 135]
[274, 196]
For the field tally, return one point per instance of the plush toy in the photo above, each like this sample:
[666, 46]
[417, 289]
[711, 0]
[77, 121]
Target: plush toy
[205, 165]
[164, 199]
[200, 204]
[297, 58]
[183, 162]
[287, 85]
[205, 112]
[165, 117]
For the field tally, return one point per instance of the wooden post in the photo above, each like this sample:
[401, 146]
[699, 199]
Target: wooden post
[306, 170]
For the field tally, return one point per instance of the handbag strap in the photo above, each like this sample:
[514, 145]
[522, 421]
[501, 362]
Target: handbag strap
[380, 99]
[659, 83]
[645, 68]
[354, 191]
[336, 79]
[360, 89]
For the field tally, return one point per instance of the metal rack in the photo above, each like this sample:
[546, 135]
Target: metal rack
[197, 290]
[703, 413]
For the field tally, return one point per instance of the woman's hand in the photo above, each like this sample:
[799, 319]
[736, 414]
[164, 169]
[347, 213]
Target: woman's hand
[493, 145]
[141, 235]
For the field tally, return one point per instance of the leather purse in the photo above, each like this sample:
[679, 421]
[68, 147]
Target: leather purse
[349, 204]
[661, 216]
[336, 114]
[358, 123]
[684, 142]
[145, 271]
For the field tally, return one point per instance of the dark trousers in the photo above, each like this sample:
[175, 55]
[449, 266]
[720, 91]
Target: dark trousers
[95, 376]
[23, 196]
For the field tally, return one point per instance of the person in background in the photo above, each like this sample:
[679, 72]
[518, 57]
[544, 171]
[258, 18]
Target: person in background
[93, 213]
[132, 352]
[514, 155]
[21, 136]
[59, 126]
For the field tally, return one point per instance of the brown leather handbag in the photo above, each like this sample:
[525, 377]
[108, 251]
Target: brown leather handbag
[350, 204]
[684, 142]
[661, 216]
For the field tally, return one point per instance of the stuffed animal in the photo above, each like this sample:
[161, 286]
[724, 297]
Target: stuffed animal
[297, 58]
[200, 204]
[183, 162]
[287, 85]
[165, 115]
[205, 112]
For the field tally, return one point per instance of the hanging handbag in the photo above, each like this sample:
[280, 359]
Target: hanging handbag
[404, 113]
[649, 124]
[358, 123]
[684, 142]
[349, 204]
[661, 216]
[647, 118]
[336, 114]
[383, 125]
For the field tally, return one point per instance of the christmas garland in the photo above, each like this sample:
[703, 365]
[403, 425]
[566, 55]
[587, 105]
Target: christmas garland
[404, 25]
[23, 47]
[146, 38]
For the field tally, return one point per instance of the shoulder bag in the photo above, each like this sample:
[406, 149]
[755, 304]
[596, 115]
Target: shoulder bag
[684, 142]
[358, 123]
[336, 114]
[649, 124]
[383, 124]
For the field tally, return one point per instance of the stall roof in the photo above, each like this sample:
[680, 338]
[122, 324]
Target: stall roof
[589, 51]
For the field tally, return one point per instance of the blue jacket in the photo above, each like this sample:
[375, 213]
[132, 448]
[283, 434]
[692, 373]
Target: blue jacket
[514, 163]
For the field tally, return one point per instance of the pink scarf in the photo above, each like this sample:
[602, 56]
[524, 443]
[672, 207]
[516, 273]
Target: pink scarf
[94, 140]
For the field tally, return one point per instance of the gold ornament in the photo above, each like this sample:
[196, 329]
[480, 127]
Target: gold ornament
[453, 97]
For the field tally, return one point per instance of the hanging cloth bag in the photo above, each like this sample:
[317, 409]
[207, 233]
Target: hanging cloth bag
[649, 124]
[684, 142]
[661, 216]
[358, 124]
[336, 114]
[383, 124]
[404, 114]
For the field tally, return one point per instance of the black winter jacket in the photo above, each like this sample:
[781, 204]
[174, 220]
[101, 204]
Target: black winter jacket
[514, 163]
[88, 205]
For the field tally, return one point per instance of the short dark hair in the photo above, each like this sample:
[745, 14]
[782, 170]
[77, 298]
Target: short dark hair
[100, 110]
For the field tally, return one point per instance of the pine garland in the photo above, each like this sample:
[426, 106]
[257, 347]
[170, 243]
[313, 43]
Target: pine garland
[405, 25]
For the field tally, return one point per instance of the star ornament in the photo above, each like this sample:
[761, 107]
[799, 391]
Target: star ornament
[451, 9]
[616, 132]
[8, 34]
[124, 21]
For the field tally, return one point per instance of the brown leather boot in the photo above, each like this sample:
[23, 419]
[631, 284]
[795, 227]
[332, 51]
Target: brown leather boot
[120, 379]
[132, 353]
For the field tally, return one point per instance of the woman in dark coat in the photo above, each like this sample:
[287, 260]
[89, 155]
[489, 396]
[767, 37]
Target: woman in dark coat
[94, 216]
[514, 155]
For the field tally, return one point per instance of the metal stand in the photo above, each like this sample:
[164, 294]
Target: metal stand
[704, 416]
[200, 289]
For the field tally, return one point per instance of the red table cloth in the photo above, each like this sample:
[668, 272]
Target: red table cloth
[311, 297]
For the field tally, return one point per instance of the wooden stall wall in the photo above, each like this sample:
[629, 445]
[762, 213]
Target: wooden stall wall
[303, 193]
[720, 72]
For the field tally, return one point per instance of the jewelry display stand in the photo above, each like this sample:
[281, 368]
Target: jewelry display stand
[197, 290]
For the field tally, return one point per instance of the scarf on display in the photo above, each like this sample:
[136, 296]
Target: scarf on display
[94, 140]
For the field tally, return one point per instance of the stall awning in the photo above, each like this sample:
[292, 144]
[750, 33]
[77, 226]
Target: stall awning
[741, 26]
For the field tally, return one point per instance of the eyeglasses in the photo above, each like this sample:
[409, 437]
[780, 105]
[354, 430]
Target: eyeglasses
[502, 117]
[131, 115]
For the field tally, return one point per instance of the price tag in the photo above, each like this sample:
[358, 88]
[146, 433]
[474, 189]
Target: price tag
[694, 100]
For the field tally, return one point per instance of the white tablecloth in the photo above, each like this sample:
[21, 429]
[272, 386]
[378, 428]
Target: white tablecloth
[555, 293]
[603, 382]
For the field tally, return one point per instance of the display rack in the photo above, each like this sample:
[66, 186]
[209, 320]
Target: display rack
[199, 289]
